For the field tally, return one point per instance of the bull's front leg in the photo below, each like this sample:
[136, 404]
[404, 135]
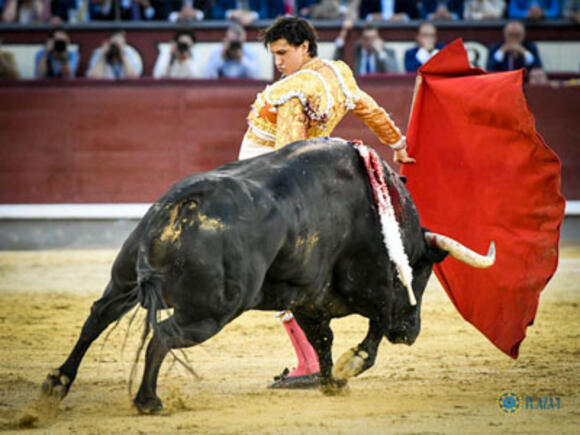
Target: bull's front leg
[320, 336]
[359, 359]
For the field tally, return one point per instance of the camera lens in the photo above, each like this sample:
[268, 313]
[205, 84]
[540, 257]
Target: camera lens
[59, 45]
[183, 47]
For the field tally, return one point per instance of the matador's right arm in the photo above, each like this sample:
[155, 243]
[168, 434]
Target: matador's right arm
[378, 120]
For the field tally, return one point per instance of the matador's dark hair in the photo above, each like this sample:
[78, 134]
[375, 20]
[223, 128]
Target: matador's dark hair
[295, 30]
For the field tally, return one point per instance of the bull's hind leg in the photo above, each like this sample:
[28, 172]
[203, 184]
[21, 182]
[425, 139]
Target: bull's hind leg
[115, 302]
[168, 335]
[359, 359]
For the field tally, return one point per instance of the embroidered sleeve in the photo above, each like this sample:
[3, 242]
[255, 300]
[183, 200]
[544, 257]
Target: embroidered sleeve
[375, 118]
[291, 124]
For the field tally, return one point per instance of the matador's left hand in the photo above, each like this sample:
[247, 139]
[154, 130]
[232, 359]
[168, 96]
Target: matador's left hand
[402, 157]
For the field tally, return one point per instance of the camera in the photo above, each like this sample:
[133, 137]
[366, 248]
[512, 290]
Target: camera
[59, 45]
[183, 47]
[113, 54]
[233, 50]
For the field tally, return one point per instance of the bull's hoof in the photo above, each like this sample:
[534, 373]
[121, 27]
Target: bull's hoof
[334, 387]
[350, 364]
[148, 406]
[55, 385]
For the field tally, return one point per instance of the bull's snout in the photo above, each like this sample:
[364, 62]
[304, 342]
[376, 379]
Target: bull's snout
[403, 333]
[399, 337]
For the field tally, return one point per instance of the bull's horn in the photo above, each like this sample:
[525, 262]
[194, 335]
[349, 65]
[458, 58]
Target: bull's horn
[462, 253]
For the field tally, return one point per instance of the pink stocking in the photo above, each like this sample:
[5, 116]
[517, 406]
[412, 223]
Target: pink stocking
[305, 353]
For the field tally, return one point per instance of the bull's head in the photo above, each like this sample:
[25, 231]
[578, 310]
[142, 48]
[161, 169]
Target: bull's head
[405, 321]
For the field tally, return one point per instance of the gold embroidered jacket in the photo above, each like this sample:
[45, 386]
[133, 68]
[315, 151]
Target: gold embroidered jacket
[310, 103]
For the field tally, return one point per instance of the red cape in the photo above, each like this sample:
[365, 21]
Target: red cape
[483, 173]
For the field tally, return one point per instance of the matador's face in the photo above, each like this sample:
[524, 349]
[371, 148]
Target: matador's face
[289, 58]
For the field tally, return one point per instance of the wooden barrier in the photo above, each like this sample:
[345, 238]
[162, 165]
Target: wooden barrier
[85, 141]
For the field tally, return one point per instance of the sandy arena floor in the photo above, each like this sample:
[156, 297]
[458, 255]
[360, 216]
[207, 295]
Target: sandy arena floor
[448, 381]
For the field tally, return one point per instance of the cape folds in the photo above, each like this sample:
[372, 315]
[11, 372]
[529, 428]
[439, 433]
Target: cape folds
[483, 173]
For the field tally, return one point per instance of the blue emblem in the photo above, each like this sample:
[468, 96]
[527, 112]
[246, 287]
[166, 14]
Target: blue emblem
[508, 403]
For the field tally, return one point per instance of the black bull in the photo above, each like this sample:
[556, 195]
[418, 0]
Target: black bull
[295, 229]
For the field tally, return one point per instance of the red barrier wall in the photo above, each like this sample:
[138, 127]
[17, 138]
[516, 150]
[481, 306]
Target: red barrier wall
[128, 142]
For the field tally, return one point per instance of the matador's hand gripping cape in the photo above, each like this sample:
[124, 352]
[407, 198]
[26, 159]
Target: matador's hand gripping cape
[483, 173]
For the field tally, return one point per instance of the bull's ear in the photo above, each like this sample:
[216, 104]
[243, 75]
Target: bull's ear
[433, 253]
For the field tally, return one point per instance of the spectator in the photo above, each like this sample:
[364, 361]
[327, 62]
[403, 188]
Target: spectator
[316, 9]
[8, 69]
[129, 10]
[114, 60]
[61, 10]
[395, 10]
[370, 54]
[246, 12]
[25, 11]
[484, 9]
[427, 47]
[182, 10]
[513, 53]
[571, 10]
[234, 59]
[56, 60]
[534, 9]
[435, 10]
[178, 61]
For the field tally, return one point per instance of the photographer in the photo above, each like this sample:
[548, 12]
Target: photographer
[178, 62]
[114, 60]
[55, 60]
[233, 59]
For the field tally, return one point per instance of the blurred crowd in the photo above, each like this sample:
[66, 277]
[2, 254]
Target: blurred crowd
[117, 59]
[245, 12]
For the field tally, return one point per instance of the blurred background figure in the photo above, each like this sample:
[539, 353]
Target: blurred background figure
[183, 10]
[323, 9]
[538, 76]
[571, 10]
[56, 59]
[114, 60]
[178, 61]
[248, 11]
[318, 10]
[129, 10]
[427, 46]
[484, 9]
[434, 10]
[234, 59]
[371, 56]
[514, 52]
[393, 10]
[8, 67]
[26, 11]
[534, 9]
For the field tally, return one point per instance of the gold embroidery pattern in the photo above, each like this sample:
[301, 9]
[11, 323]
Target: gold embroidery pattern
[310, 103]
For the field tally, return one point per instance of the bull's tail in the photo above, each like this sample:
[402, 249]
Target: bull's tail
[150, 283]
